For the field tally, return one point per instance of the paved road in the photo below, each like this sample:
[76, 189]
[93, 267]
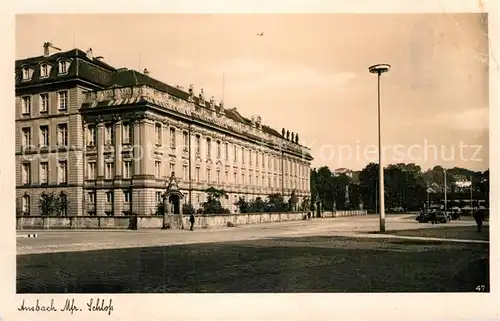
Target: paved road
[85, 240]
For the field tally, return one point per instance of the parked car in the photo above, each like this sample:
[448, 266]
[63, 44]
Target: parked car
[425, 216]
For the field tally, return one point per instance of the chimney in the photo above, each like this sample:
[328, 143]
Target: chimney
[49, 49]
[146, 71]
[90, 54]
[191, 90]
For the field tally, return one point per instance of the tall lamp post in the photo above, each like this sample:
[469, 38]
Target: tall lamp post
[379, 69]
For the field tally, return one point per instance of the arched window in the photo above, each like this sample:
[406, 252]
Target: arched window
[26, 204]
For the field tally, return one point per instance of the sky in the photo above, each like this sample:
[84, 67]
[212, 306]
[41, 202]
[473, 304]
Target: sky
[309, 74]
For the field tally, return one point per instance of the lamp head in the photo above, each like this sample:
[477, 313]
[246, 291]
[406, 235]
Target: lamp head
[379, 68]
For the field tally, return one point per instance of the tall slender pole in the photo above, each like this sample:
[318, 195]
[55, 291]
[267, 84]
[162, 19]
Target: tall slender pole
[381, 165]
[471, 196]
[379, 69]
[445, 192]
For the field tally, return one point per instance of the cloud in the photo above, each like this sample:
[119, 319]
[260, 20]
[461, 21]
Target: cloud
[250, 75]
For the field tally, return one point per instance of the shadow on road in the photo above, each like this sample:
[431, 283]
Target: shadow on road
[447, 232]
[308, 264]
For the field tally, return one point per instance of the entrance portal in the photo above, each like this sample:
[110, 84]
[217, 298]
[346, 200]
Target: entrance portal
[172, 214]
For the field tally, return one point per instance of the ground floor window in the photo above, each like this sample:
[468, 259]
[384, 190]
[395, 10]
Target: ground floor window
[26, 205]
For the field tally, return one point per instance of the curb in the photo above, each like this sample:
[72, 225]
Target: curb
[28, 235]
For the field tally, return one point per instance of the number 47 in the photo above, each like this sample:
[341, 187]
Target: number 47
[480, 288]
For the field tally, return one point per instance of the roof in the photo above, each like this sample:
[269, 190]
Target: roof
[104, 75]
[82, 67]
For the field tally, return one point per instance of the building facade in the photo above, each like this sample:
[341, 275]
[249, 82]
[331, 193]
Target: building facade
[107, 140]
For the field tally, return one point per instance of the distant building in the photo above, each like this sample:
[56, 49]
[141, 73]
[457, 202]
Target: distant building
[461, 184]
[345, 171]
[107, 140]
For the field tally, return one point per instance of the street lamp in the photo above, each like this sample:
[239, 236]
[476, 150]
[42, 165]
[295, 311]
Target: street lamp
[379, 69]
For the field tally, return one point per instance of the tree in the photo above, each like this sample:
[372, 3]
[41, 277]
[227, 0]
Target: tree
[276, 203]
[292, 202]
[242, 205]
[52, 204]
[368, 184]
[213, 204]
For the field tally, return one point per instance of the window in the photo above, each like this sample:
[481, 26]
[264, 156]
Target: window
[26, 174]
[26, 137]
[208, 175]
[235, 178]
[108, 134]
[91, 197]
[64, 204]
[127, 196]
[26, 73]
[218, 149]
[63, 100]
[242, 155]
[44, 103]
[157, 169]
[127, 169]
[209, 147]
[44, 70]
[44, 173]
[226, 176]
[127, 134]
[172, 138]
[63, 67]
[158, 134]
[198, 144]
[226, 147]
[235, 153]
[62, 134]
[26, 105]
[158, 197]
[250, 179]
[109, 170]
[256, 180]
[185, 139]
[91, 170]
[218, 176]
[26, 205]
[44, 136]
[172, 168]
[197, 174]
[91, 135]
[269, 181]
[256, 158]
[250, 157]
[185, 172]
[62, 172]
[263, 160]
[109, 196]
[242, 178]
[275, 182]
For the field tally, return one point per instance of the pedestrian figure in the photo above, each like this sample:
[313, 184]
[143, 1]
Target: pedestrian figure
[191, 220]
[479, 218]
[308, 215]
[434, 217]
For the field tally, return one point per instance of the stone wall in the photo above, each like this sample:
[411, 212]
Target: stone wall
[156, 222]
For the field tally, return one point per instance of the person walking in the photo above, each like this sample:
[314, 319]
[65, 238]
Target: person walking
[479, 218]
[191, 220]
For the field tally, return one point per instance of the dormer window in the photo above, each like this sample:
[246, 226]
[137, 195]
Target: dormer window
[44, 70]
[63, 67]
[26, 73]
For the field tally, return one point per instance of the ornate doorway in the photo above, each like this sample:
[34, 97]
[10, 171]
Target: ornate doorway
[172, 205]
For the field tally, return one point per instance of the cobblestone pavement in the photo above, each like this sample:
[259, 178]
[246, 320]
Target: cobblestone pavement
[85, 240]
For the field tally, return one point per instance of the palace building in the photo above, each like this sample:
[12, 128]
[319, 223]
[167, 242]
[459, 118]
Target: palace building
[107, 140]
